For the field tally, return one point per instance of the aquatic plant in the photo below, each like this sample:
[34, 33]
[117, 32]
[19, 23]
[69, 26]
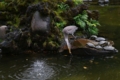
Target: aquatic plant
[88, 25]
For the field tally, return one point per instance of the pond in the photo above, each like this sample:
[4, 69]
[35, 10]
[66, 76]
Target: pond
[62, 67]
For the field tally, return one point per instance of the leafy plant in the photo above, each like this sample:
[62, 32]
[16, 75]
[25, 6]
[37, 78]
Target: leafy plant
[1, 40]
[2, 5]
[77, 2]
[60, 25]
[16, 20]
[63, 6]
[81, 19]
[88, 25]
[29, 41]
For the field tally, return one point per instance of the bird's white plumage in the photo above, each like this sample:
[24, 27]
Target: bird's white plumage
[69, 29]
[66, 31]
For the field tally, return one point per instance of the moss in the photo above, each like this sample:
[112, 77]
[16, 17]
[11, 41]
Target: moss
[9, 22]
[44, 44]
[36, 1]
[16, 21]
[35, 45]
[1, 40]
[59, 11]
[29, 41]
[77, 2]
[51, 43]
[2, 5]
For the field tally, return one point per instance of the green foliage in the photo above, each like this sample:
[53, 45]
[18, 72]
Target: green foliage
[60, 25]
[77, 2]
[29, 41]
[88, 25]
[63, 6]
[1, 40]
[2, 5]
[16, 20]
[93, 23]
[81, 19]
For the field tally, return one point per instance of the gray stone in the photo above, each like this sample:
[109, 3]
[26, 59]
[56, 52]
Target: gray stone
[40, 23]
[0, 50]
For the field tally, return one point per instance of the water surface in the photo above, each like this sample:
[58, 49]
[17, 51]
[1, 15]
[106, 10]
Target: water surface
[59, 67]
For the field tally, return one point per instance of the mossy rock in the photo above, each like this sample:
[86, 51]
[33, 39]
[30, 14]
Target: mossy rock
[3, 6]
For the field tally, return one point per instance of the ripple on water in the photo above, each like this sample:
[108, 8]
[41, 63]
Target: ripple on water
[39, 70]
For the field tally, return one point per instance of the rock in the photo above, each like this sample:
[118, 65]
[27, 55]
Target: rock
[104, 43]
[40, 23]
[6, 44]
[3, 29]
[93, 37]
[90, 45]
[100, 39]
[77, 43]
[93, 14]
[98, 47]
[78, 47]
[109, 48]
[0, 51]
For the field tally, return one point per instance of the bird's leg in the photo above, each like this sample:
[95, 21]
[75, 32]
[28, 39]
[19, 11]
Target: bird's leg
[68, 44]
[69, 51]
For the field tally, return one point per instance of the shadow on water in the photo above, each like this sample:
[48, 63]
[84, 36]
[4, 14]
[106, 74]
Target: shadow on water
[70, 68]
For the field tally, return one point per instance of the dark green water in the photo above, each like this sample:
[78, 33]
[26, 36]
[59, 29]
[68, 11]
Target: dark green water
[36, 67]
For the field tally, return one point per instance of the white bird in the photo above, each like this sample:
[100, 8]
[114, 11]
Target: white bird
[66, 31]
